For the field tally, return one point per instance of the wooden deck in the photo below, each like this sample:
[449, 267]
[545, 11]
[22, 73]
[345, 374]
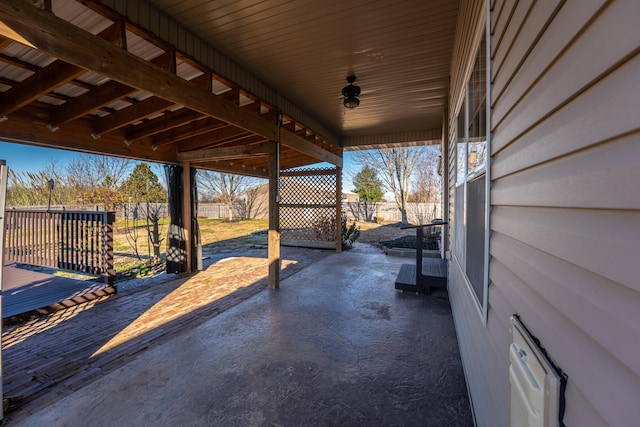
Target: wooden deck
[26, 292]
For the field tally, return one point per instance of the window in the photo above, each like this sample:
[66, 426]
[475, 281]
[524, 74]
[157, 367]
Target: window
[471, 180]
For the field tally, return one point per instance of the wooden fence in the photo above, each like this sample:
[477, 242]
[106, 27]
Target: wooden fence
[79, 241]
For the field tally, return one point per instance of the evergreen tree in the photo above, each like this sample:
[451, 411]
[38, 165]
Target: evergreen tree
[143, 186]
[368, 185]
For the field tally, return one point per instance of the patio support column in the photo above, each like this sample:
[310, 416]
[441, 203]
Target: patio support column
[186, 213]
[444, 169]
[338, 209]
[274, 217]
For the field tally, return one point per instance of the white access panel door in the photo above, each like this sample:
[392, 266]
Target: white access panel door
[535, 385]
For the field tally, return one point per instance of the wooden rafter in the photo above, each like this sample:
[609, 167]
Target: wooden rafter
[226, 152]
[189, 130]
[160, 124]
[64, 41]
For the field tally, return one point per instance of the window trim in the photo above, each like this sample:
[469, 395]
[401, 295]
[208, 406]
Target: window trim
[482, 306]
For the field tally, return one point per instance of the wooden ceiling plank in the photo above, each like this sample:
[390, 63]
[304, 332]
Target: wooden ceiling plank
[226, 152]
[62, 40]
[160, 124]
[130, 114]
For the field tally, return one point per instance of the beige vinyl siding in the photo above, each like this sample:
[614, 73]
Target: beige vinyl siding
[565, 211]
[486, 381]
[565, 206]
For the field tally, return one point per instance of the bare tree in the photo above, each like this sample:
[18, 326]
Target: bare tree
[224, 187]
[427, 185]
[96, 180]
[395, 167]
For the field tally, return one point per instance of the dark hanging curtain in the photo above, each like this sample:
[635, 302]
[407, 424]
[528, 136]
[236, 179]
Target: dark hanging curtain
[176, 249]
[196, 245]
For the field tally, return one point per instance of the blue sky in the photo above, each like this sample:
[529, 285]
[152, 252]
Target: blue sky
[27, 158]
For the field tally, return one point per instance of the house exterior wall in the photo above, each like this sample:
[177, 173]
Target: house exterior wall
[565, 208]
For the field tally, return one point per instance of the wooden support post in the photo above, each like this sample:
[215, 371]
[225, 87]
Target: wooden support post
[186, 213]
[338, 209]
[274, 217]
[3, 195]
[108, 269]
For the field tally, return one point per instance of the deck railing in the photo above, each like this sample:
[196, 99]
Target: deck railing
[79, 241]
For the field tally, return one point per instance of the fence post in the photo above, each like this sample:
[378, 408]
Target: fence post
[108, 271]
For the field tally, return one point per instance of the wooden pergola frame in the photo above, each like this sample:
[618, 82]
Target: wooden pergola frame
[142, 107]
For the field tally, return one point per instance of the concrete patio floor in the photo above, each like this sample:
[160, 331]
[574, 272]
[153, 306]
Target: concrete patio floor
[335, 345]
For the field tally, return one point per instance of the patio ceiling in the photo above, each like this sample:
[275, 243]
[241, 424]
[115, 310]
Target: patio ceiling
[205, 81]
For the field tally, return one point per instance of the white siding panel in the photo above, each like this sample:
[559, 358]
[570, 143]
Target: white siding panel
[610, 170]
[578, 125]
[568, 76]
[589, 366]
[603, 310]
[585, 238]
[507, 38]
[565, 214]
[486, 368]
[531, 30]
[541, 53]
[501, 19]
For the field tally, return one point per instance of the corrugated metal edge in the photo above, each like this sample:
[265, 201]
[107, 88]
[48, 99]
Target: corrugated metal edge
[154, 20]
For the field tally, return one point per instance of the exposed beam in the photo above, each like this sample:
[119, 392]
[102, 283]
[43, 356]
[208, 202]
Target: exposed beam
[45, 80]
[299, 144]
[130, 114]
[28, 125]
[221, 135]
[38, 84]
[160, 124]
[9, 33]
[5, 43]
[142, 109]
[226, 152]
[62, 40]
[236, 168]
[194, 128]
[87, 102]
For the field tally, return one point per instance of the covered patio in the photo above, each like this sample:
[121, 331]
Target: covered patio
[337, 345]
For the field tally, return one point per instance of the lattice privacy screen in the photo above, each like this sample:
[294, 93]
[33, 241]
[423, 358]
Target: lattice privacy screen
[308, 207]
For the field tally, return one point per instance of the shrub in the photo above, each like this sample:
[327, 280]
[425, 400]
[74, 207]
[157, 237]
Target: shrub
[349, 234]
[378, 219]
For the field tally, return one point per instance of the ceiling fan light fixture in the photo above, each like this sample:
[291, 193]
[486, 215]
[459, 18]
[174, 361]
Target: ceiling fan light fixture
[351, 102]
[350, 93]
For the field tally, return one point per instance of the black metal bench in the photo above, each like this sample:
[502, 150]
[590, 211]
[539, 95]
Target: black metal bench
[426, 273]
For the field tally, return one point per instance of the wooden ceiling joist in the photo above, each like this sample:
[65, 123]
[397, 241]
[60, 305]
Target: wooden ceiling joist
[227, 152]
[189, 130]
[130, 114]
[165, 122]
